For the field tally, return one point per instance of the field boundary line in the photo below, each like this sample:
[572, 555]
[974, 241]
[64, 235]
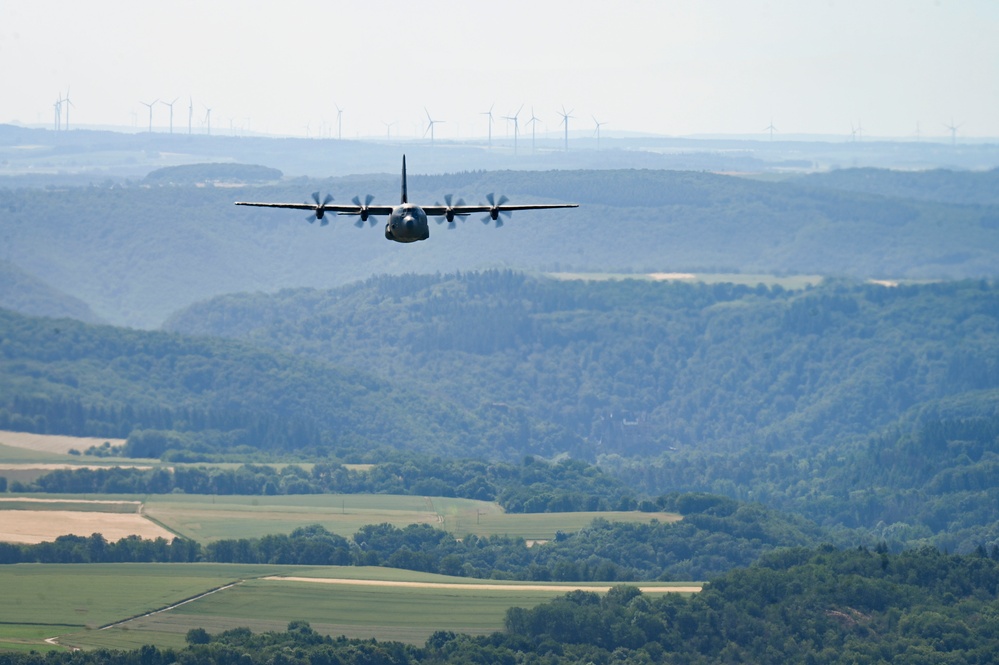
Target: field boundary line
[175, 605]
[468, 586]
[146, 515]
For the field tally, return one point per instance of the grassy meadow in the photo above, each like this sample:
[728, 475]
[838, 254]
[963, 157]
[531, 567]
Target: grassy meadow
[82, 605]
[48, 600]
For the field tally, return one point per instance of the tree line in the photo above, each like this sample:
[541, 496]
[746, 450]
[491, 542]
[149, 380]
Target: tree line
[806, 605]
[532, 486]
[715, 536]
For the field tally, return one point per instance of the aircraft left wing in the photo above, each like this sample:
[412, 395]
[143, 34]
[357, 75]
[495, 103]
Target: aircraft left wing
[343, 209]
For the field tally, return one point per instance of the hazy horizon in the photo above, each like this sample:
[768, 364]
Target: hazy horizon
[893, 69]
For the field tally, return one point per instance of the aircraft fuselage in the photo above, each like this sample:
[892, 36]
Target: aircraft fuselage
[407, 223]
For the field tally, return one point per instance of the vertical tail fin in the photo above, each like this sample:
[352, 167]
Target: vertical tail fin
[404, 197]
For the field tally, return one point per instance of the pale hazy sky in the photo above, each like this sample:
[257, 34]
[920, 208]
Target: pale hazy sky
[671, 67]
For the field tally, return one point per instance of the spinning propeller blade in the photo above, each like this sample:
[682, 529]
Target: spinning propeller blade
[494, 212]
[364, 212]
[319, 211]
[449, 213]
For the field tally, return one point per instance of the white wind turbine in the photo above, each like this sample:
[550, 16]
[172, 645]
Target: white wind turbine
[533, 122]
[170, 104]
[68, 104]
[150, 105]
[57, 107]
[597, 130]
[565, 121]
[953, 131]
[516, 126]
[770, 128]
[430, 127]
[490, 114]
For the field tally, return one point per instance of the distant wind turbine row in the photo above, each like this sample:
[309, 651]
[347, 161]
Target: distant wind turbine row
[62, 105]
[206, 121]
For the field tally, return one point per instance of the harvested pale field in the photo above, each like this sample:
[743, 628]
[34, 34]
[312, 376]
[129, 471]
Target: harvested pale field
[50, 443]
[38, 526]
[561, 588]
[50, 466]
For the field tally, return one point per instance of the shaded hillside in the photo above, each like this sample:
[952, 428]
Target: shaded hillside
[193, 174]
[855, 404]
[638, 366]
[974, 188]
[61, 376]
[27, 294]
[136, 254]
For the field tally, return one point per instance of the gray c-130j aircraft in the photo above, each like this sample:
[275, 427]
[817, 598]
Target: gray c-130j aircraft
[407, 222]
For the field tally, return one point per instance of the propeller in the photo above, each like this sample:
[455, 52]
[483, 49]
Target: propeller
[319, 211]
[494, 211]
[364, 212]
[450, 214]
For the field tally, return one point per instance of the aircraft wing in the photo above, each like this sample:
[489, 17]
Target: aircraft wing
[438, 210]
[342, 209]
[348, 208]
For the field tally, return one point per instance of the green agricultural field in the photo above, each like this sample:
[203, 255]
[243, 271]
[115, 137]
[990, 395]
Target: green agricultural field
[206, 518]
[106, 506]
[17, 455]
[409, 614]
[210, 518]
[49, 600]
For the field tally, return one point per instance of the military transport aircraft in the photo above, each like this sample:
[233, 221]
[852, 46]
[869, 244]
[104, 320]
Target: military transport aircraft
[407, 222]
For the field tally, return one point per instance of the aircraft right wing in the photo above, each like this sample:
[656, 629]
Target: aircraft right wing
[438, 210]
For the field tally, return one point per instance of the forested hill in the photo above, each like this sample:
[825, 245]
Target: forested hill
[136, 253]
[60, 376]
[26, 293]
[857, 404]
[636, 367]
[974, 188]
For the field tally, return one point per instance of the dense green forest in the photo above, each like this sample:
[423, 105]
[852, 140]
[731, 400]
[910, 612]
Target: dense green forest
[636, 367]
[715, 536]
[854, 404]
[202, 395]
[941, 185]
[136, 252]
[857, 405]
[818, 606]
